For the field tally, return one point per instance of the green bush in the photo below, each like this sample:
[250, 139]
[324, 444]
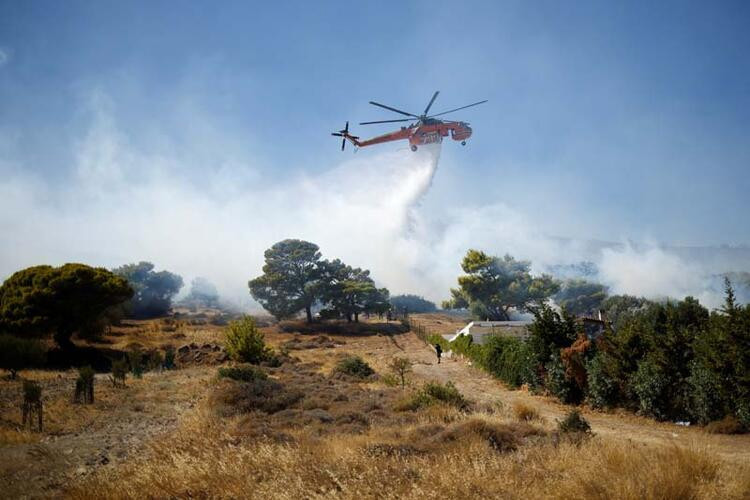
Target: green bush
[415, 402]
[243, 373]
[447, 393]
[169, 359]
[574, 422]
[706, 402]
[135, 359]
[509, 359]
[245, 343]
[431, 393]
[154, 360]
[602, 391]
[651, 386]
[119, 372]
[558, 383]
[84, 386]
[17, 353]
[354, 366]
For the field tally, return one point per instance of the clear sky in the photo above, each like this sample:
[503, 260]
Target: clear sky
[606, 120]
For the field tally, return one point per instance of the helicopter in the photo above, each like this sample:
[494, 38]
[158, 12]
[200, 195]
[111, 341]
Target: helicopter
[426, 129]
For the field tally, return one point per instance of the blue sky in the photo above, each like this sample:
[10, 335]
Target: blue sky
[615, 121]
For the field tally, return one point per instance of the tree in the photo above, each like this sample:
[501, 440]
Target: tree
[494, 286]
[618, 307]
[412, 304]
[289, 282]
[550, 333]
[153, 290]
[19, 353]
[581, 297]
[350, 291]
[202, 293]
[245, 343]
[60, 301]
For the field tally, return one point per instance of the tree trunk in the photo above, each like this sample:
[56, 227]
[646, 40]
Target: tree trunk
[308, 312]
[356, 317]
[348, 317]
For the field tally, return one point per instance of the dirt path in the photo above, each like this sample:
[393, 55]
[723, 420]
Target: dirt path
[479, 386]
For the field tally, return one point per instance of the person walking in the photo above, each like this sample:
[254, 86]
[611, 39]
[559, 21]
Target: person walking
[438, 351]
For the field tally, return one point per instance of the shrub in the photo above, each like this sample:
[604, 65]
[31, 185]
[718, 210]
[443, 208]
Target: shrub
[447, 393]
[400, 367]
[651, 386]
[558, 383]
[354, 366]
[32, 403]
[727, 425]
[135, 359]
[154, 360]
[524, 412]
[602, 389]
[431, 393]
[244, 373]
[574, 422]
[169, 359]
[706, 403]
[119, 372]
[245, 343]
[509, 359]
[17, 353]
[84, 386]
[415, 402]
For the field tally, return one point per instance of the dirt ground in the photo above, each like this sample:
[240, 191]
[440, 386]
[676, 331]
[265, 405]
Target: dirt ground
[81, 439]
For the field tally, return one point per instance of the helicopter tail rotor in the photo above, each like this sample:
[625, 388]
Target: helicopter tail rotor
[344, 134]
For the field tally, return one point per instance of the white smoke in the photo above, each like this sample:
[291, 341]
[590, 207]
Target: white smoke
[126, 203]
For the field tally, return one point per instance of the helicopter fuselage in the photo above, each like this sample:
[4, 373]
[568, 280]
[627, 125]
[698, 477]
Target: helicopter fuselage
[421, 133]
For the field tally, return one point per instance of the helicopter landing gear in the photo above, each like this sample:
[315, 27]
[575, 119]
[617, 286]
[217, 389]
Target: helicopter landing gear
[413, 148]
[463, 143]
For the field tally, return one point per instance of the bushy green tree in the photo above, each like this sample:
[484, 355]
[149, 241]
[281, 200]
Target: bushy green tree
[290, 280]
[412, 304]
[617, 308]
[498, 285]
[550, 332]
[350, 291]
[154, 291]
[603, 389]
[580, 297]
[60, 301]
[245, 343]
[18, 353]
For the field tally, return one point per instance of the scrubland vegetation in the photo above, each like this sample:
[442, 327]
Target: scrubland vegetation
[205, 404]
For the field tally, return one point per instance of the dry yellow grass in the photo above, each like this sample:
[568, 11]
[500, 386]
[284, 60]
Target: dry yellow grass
[525, 412]
[203, 460]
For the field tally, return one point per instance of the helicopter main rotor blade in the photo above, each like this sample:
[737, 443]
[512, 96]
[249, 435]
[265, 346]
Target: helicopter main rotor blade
[389, 121]
[427, 109]
[392, 109]
[462, 107]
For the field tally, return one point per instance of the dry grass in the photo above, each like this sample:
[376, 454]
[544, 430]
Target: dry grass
[525, 412]
[17, 436]
[727, 425]
[474, 457]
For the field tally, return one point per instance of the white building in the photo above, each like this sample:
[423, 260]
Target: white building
[481, 330]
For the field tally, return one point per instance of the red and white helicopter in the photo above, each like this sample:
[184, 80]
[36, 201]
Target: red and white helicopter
[425, 130]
